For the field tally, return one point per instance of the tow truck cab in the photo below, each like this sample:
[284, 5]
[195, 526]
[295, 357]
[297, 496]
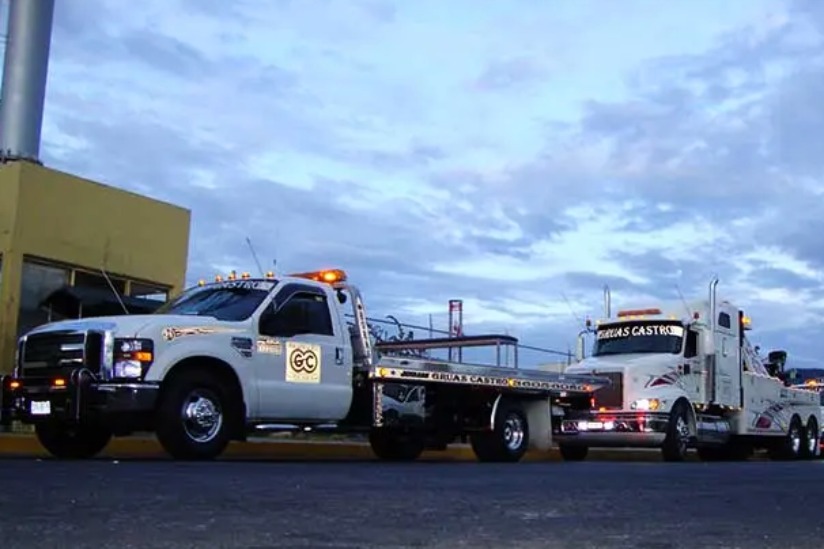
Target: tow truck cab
[684, 375]
[652, 357]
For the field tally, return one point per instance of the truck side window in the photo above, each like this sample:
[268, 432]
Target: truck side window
[724, 320]
[303, 313]
[691, 346]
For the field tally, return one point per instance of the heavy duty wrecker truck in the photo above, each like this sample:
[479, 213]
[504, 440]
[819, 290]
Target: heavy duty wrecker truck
[687, 376]
[246, 355]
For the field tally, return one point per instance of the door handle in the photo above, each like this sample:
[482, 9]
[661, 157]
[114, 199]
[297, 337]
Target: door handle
[338, 355]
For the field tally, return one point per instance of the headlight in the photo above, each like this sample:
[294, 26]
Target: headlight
[647, 404]
[132, 357]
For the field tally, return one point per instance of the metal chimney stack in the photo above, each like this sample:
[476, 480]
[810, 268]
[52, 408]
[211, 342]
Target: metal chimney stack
[24, 79]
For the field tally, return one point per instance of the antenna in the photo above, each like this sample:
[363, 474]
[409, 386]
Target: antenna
[684, 301]
[576, 316]
[114, 290]
[255, 257]
[109, 280]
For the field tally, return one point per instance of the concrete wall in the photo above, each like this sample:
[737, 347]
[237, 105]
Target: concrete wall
[63, 218]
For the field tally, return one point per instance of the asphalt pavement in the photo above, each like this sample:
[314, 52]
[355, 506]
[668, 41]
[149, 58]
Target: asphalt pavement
[144, 504]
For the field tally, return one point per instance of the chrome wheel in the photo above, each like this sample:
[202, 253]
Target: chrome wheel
[514, 432]
[795, 439]
[202, 416]
[683, 430]
[812, 438]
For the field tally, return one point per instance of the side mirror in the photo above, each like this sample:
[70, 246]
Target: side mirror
[708, 342]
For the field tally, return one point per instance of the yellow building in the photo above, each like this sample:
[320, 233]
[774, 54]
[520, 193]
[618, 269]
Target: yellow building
[61, 232]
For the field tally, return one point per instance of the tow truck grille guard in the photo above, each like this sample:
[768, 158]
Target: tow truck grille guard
[44, 397]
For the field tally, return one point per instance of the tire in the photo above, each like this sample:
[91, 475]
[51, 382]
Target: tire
[573, 453]
[677, 441]
[509, 441]
[65, 441]
[389, 445]
[182, 434]
[810, 440]
[791, 444]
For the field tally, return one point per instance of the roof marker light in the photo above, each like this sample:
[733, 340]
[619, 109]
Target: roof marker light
[330, 276]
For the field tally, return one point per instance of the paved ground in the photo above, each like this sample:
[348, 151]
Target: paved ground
[105, 503]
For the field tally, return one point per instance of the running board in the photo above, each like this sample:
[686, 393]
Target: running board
[291, 427]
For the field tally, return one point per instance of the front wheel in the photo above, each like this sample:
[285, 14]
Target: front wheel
[65, 441]
[678, 435]
[192, 419]
[509, 441]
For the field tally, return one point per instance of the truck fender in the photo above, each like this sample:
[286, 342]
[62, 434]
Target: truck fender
[693, 418]
[240, 367]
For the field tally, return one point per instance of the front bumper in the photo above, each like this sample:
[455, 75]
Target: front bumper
[75, 398]
[613, 429]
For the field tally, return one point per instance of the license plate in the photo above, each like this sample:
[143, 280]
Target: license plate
[40, 407]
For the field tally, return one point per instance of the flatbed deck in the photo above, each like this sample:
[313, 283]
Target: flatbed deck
[415, 370]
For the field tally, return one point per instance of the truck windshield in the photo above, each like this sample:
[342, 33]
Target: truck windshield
[639, 337]
[232, 301]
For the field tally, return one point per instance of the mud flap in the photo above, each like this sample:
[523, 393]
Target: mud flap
[539, 417]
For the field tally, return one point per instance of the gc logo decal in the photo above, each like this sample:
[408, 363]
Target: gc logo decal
[303, 362]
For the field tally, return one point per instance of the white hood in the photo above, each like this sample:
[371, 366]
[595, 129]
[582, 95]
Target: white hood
[129, 325]
[619, 363]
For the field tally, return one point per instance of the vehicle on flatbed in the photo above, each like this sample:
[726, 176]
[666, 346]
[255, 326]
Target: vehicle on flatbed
[687, 376]
[246, 355]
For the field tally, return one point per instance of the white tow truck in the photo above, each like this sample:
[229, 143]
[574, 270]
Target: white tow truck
[687, 376]
[246, 355]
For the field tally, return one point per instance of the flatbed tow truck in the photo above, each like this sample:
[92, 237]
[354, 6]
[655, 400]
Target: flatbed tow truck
[686, 376]
[246, 355]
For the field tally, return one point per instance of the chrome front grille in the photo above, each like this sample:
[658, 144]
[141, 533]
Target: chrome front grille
[53, 353]
[611, 396]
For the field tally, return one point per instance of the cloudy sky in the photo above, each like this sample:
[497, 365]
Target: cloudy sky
[516, 154]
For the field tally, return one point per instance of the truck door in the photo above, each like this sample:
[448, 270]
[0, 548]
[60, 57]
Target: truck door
[692, 368]
[727, 361]
[305, 374]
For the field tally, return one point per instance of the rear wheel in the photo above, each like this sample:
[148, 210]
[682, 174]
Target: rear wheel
[390, 445]
[66, 441]
[508, 441]
[192, 417]
[791, 444]
[812, 437]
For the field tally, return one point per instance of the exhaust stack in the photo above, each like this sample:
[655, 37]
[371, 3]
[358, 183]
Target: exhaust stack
[713, 313]
[607, 302]
[25, 73]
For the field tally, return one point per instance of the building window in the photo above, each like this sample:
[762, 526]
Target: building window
[147, 291]
[39, 280]
[83, 279]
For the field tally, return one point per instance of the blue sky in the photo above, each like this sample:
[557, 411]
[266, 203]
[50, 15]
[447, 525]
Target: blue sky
[518, 154]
